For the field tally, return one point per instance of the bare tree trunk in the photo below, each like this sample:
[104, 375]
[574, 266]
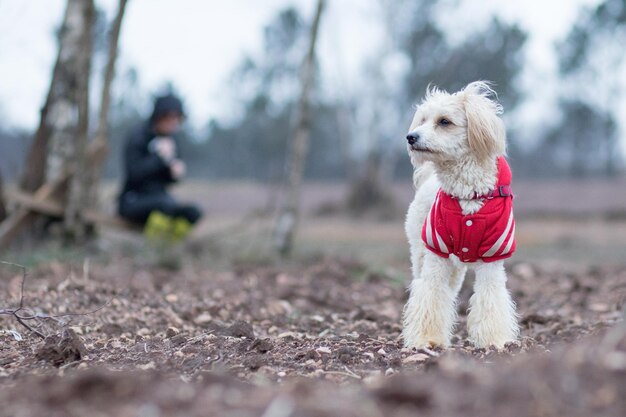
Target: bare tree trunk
[68, 113]
[370, 192]
[287, 221]
[611, 138]
[99, 146]
[34, 173]
[57, 157]
[344, 123]
[3, 211]
[369, 189]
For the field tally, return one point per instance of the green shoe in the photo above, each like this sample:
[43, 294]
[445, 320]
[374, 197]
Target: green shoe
[158, 228]
[181, 229]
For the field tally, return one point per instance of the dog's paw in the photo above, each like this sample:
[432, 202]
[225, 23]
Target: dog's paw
[418, 342]
[496, 333]
[486, 343]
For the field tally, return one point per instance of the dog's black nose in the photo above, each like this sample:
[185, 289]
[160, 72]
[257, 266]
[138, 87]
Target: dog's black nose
[412, 138]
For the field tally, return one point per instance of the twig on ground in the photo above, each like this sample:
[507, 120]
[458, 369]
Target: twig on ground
[29, 313]
[351, 372]
[23, 268]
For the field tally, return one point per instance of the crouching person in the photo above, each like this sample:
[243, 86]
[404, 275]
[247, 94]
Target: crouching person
[152, 162]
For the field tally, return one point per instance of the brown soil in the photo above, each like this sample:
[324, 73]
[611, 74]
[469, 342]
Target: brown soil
[321, 339]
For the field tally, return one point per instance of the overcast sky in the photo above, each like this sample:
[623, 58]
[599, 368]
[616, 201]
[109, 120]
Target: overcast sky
[196, 43]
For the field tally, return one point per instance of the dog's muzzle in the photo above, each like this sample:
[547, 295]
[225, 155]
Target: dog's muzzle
[412, 138]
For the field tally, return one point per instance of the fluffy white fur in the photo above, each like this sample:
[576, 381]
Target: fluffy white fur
[460, 138]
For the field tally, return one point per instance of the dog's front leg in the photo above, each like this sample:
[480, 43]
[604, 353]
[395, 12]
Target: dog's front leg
[492, 319]
[430, 312]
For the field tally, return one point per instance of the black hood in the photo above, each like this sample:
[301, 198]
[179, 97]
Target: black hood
[167, 104]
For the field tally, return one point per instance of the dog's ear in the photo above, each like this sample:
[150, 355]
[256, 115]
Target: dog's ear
[485, 130]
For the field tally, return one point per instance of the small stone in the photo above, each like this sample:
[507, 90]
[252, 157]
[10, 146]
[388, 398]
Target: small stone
[77, 330]
[115, 344]
[599, 307]
[147, 366]
[178, 340]
[203, 318]
[171, 298]
[171, 332]
[418, 357]
[240, 328]
[143, 332]
[262, 345]
[279, 307]
[323, 349]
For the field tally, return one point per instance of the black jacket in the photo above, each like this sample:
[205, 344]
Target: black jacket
[145, 171]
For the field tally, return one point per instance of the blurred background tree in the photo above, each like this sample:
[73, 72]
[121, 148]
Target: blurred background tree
[357, 135]
[265, 87]
[585, 141]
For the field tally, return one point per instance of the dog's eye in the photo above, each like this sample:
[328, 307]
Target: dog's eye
[444, 122]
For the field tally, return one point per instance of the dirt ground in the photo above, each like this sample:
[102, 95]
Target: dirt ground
[319, 338]
[231, 332]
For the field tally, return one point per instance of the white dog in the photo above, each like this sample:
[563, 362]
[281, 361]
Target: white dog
[461, 217]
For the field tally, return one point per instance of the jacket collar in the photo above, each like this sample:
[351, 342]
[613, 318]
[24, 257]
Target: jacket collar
[503, 183]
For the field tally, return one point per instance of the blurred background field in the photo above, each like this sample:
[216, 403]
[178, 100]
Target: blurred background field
[574, 223]
[581, 222]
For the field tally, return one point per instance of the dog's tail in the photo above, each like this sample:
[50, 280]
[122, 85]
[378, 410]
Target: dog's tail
[421, 173]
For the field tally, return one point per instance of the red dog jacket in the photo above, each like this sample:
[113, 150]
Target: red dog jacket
[487, 235]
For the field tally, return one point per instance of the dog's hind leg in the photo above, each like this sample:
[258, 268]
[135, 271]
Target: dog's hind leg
[492, 319]
[430, 313]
